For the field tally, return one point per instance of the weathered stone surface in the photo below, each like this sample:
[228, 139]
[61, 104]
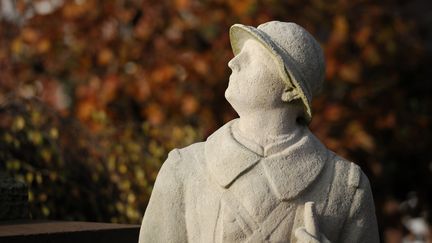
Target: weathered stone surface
[263, 177]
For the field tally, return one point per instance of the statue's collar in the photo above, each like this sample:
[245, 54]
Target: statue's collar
[280, 143]
[289, 172]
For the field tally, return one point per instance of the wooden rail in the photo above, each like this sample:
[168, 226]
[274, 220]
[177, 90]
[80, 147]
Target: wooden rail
[36, 231]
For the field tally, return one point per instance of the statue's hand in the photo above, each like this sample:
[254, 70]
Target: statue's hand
[310, 232]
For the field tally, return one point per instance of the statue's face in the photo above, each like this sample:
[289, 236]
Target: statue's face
[254, 83]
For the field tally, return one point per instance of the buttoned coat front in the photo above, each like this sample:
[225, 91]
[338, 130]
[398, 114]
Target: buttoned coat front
[224, 190]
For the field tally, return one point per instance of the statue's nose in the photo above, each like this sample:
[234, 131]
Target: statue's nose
[233, 64]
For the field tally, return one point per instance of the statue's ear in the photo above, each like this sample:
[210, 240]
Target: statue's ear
[289, 94]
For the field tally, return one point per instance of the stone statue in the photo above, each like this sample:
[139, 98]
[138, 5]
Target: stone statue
[263, 177]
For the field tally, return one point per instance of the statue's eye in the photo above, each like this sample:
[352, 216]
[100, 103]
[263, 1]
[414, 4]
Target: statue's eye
[247, 57]
[244, 58]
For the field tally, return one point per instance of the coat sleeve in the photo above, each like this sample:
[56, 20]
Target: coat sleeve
[164, 218]
[361, 224]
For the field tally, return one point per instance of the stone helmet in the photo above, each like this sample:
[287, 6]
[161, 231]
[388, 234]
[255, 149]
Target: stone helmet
[299, 56]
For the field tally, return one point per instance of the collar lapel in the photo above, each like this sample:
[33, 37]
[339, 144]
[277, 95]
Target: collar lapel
[226, 158]
[291, 171]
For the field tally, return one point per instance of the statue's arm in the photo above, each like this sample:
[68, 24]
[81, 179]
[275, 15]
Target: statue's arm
[164, 219]
[361, 224]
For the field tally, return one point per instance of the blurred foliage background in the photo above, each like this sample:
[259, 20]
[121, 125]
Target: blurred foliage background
[94, 94]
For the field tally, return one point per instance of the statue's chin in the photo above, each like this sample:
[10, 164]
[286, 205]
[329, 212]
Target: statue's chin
[229, 95]
[245, 104]
[231, 98]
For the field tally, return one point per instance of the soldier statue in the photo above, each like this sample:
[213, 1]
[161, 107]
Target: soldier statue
[263, 177]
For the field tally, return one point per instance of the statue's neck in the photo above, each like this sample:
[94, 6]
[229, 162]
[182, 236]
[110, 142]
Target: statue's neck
[265, 127]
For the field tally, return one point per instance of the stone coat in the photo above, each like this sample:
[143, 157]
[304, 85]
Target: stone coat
[229, 189]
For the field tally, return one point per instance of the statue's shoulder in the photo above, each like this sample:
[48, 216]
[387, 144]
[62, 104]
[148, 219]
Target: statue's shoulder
[347, 173]
[191, 153]
[195, 154]
[182, 160]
